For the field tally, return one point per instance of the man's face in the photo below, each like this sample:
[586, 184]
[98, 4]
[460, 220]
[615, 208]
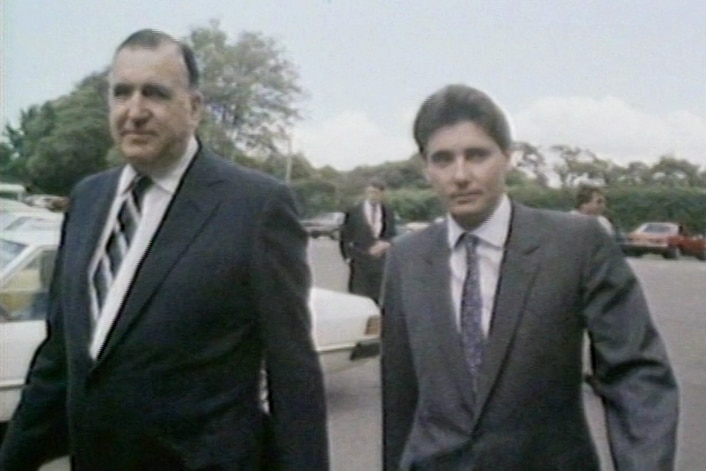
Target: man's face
[153, 112]
[467, 169]
[373, 194]
[596, 206]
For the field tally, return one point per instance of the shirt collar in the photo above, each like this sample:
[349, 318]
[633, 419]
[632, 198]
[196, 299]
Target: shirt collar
[169, 180]
[492, 231]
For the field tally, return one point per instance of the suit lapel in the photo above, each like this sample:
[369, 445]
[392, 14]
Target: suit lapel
[519, 268]
[190, 209]
[431, 280]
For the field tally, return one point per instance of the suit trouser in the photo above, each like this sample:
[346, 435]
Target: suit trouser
[366, 279]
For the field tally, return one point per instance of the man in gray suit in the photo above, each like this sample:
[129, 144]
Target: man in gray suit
[484, 316]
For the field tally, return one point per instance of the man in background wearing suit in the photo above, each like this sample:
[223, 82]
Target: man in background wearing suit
[483, 322]
[365, 238]
[178, 277]
[591, 201]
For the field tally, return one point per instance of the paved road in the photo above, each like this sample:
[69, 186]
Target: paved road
[675, 291]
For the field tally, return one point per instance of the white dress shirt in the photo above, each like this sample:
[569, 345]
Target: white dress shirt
[155, 202]
[492, 235]
[374, 218]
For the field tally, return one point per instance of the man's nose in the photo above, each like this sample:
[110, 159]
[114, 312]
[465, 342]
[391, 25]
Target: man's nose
[136, 110]
[461, 169]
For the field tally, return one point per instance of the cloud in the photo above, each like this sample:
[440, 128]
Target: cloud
[612, 129]
[351, 139]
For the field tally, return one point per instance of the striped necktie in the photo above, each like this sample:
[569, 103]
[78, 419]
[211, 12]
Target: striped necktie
[121, 235]
[472, 310]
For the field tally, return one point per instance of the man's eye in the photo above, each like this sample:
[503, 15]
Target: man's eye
[476, 154]
[121, 92]
[156, 92]
[441, 159]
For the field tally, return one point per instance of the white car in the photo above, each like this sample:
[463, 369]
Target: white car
[345, 327]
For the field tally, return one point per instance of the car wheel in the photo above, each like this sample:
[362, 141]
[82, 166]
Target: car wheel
[672, 253]
[701, 255]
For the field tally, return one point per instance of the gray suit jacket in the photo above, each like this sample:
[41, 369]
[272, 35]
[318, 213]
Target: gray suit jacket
[561, 275]
[222, 288]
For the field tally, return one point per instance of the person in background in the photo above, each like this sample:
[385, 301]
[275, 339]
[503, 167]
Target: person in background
[367, 231]
[484, 315]
[591, 201]
[179, 276]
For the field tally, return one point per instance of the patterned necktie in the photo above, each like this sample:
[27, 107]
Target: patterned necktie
[472, 310]
[119, 239]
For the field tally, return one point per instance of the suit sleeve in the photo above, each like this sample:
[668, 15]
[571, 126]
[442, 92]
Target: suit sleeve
[399, 385]
[634, 378]
[390, 223]
[38, 431]
[282, 280]
[345, 238]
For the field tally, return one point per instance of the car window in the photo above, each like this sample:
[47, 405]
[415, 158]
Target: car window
[25, 293]
[9, 251]
[653, 228]
[33, 224]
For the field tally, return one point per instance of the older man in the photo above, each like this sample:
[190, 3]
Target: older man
[179, 276]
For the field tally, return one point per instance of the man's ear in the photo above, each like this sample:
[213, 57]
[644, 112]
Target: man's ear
[196, 102]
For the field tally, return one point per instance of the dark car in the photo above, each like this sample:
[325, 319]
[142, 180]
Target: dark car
[326, 224]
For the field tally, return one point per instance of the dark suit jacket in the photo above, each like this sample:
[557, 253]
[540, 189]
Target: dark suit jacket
[223, 287]
[356, 238]
[560, 275]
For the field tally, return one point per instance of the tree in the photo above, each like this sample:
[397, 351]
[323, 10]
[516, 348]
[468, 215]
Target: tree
[63, 140]
[531, 161]
[583, 164]
[674, 172]
[249, 87]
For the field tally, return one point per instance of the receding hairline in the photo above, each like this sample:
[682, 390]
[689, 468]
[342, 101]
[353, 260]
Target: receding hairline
[150, 39]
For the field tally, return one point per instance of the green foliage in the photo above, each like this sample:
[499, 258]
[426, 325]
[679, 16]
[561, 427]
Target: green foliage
[62, 141]
[414, 204]
[249, 87]
[536, 196]
[630, 206]
[315, 195]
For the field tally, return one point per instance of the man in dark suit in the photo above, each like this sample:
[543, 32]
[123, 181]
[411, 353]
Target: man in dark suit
[169, 298]
[484, 316]
[365, 238]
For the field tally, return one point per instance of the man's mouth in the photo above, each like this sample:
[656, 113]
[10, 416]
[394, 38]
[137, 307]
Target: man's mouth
[466, 196]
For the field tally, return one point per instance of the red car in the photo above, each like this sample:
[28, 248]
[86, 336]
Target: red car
[668, 239]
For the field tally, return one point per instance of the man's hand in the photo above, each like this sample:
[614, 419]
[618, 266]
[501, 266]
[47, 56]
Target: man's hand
[379, 248]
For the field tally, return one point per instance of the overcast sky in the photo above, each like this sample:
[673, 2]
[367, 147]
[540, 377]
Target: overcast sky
[622, 78]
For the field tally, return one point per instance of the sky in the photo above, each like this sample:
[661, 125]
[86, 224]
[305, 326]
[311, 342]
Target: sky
[624, 79]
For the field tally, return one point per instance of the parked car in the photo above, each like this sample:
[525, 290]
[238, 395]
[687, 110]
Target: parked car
[13, 191]
[30, 221]
[345, 327]
[326, 224]
[668, 239]
[42, 201]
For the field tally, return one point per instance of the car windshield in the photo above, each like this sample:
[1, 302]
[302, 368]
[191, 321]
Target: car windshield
[33, 224]
[335, 218]
[655, 228]
[8, 252]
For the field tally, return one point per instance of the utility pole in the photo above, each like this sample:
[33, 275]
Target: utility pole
[288, 172]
